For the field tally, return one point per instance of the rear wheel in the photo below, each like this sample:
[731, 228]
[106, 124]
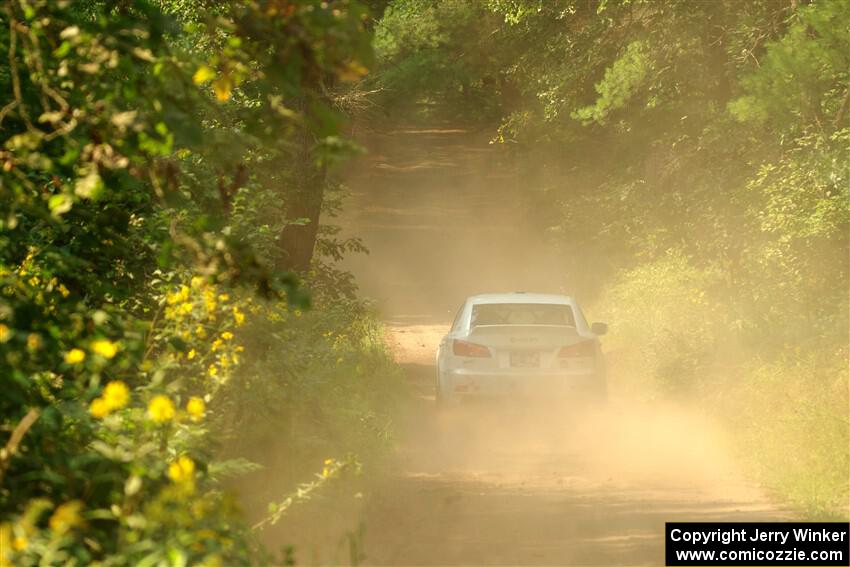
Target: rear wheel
[444, 399]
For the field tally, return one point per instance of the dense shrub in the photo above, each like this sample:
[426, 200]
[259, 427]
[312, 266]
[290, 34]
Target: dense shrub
[675, 333]
[791, 417]
[666, 325]
[126, 290]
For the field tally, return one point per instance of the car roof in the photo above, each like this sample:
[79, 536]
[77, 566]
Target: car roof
[520, 297]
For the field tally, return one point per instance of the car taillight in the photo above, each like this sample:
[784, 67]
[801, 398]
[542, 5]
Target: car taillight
[463, 348]
[584, 348]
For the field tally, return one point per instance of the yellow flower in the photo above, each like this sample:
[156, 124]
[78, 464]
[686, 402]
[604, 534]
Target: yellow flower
[116, 395]
[34, 341]
[216, 345]
[238, 316]
[5, 333]
[64, 290]
[182, 470]
[161, 409]
[186, 308]
[99, 408]
[5, 542]
[105, 348]
[197, 282]
[223, 297]
[222, 87]
[20, 543]
[65, 517]
[239, 348]
[227, 335]
[191, 354]
[212, 370]
[75, 356]
[196, 408]
[201, 332]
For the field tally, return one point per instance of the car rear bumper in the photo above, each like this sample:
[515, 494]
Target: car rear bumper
[461, 384]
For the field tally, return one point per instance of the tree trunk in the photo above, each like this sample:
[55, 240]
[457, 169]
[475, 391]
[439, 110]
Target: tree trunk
[303, 207]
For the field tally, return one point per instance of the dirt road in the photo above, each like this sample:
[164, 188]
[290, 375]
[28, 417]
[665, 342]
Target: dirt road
[508, 484]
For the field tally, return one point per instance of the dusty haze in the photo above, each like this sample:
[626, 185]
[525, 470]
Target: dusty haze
[508, 483]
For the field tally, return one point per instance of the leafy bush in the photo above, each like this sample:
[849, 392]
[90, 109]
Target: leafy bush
[665, 325]
[673, 335]
[112, 465]
[125, 290]
[319, 383]
[791, 419]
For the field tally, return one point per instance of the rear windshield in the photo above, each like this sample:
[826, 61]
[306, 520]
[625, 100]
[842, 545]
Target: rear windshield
[522, 314]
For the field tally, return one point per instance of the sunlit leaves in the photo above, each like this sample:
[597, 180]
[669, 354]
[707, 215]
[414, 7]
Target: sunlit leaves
[119, 133]
[89, 185]
[801, 82]
[807, 193]
[60, 204]
[222, 87]
[622, 80]
[121, 165]
[204, 74]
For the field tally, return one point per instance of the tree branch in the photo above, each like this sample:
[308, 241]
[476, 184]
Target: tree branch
[842, 110]
[14, 441]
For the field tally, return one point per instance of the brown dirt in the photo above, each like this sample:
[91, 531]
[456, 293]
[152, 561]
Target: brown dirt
[506, 483]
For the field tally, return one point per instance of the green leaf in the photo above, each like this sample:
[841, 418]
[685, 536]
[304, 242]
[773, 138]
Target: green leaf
[60, 204]
[204, 74]
[90, 186]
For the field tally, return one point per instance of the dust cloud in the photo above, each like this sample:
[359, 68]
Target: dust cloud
[440, 212]
[510, 482]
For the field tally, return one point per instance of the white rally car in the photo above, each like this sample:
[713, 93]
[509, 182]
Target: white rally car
[521, 343]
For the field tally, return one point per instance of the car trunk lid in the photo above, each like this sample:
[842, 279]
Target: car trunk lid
[524, 337]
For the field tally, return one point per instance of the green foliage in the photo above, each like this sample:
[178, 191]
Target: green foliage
[321, 376]
[791, 414]
[315, 385]
[664, 307]
[799, 79]
[133, 134]
[625, 76]
[430, 50]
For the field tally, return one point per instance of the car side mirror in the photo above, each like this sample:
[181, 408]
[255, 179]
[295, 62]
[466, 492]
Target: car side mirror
[599, 328]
